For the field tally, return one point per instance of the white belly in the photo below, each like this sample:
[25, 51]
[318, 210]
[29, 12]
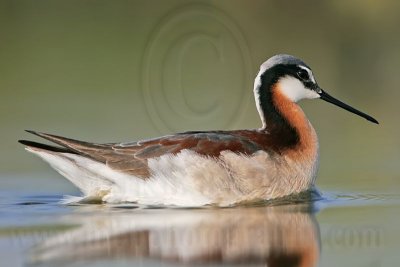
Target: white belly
[190, 179]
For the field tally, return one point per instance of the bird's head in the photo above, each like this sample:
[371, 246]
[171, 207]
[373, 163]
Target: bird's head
[295, 80]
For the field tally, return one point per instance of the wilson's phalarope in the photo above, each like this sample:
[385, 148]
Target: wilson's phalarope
[214, 167]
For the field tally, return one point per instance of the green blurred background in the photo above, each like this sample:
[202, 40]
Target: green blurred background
[108, 71]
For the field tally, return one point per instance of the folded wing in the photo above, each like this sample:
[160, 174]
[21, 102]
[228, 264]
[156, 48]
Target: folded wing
[132, 158]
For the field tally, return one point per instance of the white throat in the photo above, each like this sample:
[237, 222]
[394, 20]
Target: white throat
[295, 90]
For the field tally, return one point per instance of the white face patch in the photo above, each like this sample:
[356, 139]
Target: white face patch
[294, 89]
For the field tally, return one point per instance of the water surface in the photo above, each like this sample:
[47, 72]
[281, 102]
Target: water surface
[336, 229]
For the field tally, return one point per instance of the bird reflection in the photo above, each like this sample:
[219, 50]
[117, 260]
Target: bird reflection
[252, 236]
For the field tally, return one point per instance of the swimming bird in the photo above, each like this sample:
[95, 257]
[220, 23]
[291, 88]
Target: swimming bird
[197, 168]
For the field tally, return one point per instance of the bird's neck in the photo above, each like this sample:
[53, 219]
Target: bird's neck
[285, 121]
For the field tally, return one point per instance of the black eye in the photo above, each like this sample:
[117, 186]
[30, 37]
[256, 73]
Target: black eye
[303, 74]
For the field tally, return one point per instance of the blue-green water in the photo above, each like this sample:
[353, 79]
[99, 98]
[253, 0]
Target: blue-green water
[336, 229]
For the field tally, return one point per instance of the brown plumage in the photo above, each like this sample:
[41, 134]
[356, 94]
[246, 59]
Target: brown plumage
[132, 157]
[208, 167]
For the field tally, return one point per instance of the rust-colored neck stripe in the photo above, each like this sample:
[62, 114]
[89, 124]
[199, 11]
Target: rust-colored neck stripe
[294, 118]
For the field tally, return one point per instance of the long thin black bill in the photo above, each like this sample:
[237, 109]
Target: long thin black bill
[336, 102]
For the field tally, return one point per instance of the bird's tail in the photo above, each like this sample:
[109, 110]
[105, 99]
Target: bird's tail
[71, 161]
